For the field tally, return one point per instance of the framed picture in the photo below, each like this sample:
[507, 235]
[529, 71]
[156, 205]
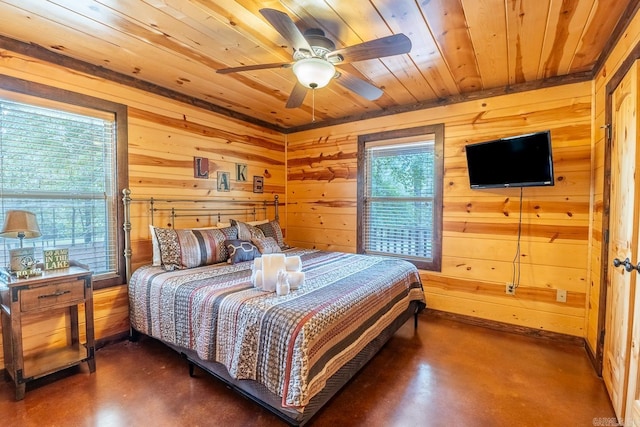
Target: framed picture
[258, 184]
[223, 181]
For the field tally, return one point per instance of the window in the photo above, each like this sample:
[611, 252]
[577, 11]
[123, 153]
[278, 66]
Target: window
[60, 161]
[400, 194]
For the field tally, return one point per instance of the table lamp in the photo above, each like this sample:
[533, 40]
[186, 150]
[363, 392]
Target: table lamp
[19, 224]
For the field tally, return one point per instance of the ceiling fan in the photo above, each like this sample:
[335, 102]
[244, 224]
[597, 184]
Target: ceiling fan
[315, 58]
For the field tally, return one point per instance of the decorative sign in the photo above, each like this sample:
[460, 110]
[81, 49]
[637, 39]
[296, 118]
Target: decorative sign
[258, 184]
[56, 258]
[241, 172]
[21, 259]
[25, 274]
[23, 263]
[223, 181]
[200, 167]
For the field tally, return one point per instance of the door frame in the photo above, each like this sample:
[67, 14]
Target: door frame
[598, 358]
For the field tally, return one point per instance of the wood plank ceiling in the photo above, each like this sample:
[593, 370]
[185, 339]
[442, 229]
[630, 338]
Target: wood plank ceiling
[459, 48]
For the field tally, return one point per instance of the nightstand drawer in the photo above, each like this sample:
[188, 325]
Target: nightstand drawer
[51, 295]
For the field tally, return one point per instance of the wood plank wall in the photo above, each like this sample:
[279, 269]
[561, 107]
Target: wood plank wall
[480, 226]
[161, 152]
[164, 136]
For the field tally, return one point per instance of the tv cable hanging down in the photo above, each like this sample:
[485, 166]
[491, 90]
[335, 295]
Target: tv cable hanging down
[515, 277]
[517, 161]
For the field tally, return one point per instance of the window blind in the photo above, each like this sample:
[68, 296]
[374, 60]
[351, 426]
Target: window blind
[60, 165]
[399, 199]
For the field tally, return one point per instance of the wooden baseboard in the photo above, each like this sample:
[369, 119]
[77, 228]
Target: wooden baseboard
[506, 327]
[111, 339]
[594, 361]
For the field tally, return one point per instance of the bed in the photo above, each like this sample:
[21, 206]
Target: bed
[289, 353]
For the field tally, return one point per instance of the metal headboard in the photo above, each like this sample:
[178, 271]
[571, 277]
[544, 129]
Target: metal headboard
[226, 208]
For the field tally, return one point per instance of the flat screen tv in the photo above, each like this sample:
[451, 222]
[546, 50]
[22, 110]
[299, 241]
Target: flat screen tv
[518, 161]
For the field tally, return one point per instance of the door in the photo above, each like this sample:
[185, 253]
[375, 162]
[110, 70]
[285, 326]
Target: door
[620, 358]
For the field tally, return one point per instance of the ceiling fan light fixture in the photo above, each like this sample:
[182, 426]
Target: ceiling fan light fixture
[314, 73]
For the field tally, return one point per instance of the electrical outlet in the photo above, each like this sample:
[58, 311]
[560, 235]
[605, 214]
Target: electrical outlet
[510, 289]
[561, 295]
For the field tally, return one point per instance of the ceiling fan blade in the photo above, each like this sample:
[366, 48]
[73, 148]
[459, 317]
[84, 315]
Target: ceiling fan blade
[359, 86]
[254, 67]
[287, 28]
[396, 44]
[297, 96]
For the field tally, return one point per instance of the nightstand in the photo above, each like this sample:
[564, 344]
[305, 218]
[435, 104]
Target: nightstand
[65, 289]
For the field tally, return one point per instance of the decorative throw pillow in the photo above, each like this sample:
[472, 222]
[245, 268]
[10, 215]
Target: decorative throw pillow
[268, 245]
[241, 250]
[169, 247]
[247, 231]
[188, 248]
[272, 229]
[157, 257]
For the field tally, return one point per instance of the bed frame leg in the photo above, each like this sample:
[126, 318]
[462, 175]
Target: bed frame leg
[133, 335]
[190, 364]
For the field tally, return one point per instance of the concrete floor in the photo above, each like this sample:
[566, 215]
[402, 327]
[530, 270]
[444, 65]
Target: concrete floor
[445, 374]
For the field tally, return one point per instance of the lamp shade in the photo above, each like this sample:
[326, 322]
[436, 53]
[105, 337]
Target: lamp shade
[314, 73]
[20, 224]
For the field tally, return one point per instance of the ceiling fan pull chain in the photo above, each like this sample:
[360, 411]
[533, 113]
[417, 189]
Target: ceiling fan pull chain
[313, 105]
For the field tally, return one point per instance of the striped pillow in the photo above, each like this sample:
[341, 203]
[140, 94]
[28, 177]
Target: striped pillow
[188, 248]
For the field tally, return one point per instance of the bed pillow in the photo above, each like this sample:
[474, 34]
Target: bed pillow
[155, 245]
[247, 231]
[241, 250]
[268, 245]
[272, 229]
[188, 248]
[254, 223]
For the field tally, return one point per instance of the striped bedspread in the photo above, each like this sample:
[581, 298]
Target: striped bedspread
[292, 343]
